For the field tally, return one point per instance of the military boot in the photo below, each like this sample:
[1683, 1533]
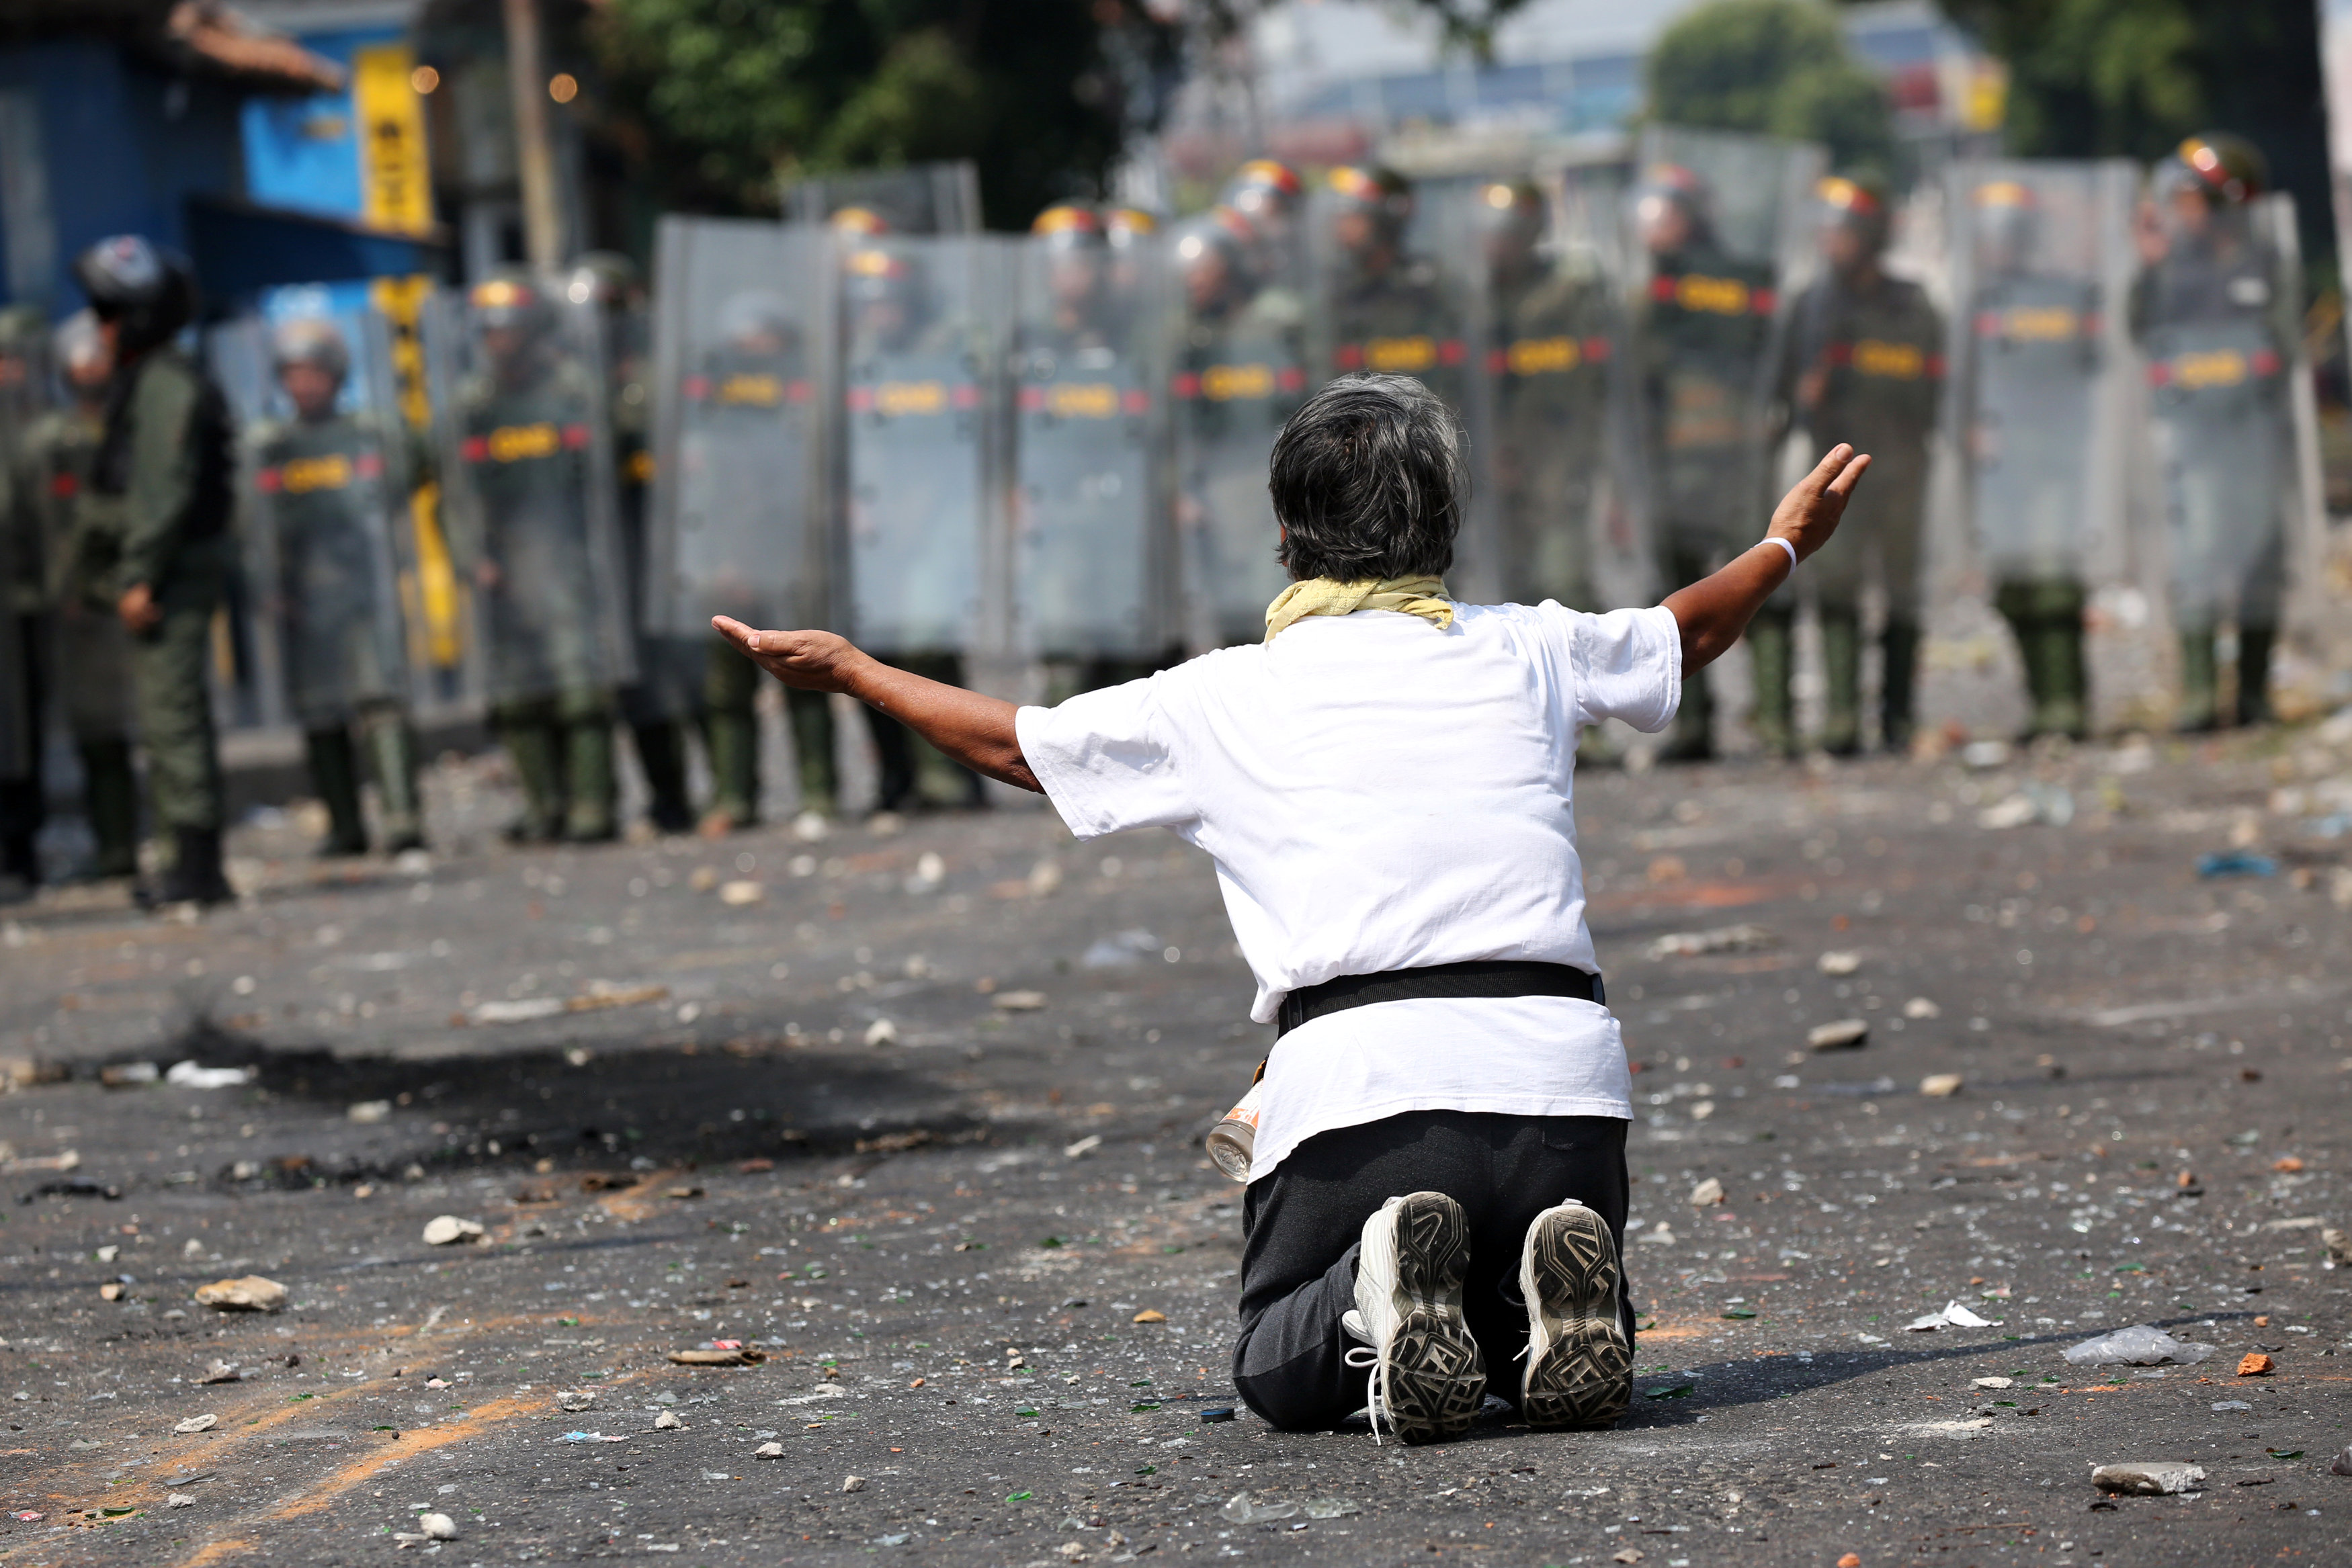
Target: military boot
[335, 775]
[588, 770]
[894, 748]
[2196, 712]
[2011, 599]
[193, 876]
[812, 716]
[2254, 646]
[1771, 640]
[110, 796]
[392, 748]
[2064, 705]
[530, 741]
[1899, 650]
[1841, 662]
[661, 752]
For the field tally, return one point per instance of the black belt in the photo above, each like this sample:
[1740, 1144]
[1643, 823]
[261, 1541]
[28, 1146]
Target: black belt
[1475, 977]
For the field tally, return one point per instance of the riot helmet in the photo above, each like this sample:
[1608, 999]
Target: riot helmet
[1211, 255]
[1128, 229]
[756, 323]
[884, 290]
[1673, 209]
[2225, 170]
[82, 359]
[1266, 192]
[1072, 237]
[144, 293]
[2007, 219]
[515, 320]
[859, 222]
[310, 359]
[1855, 221]
[1370, 209]
[1510, 217]
[605, 278]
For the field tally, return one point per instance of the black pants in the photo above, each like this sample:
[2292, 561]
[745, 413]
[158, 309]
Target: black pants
[1300, 1228]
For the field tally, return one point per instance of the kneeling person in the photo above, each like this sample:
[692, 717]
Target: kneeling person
[1438, 1184]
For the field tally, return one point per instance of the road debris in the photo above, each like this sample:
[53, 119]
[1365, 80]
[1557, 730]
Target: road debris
[1148, 1315]
[368, 1112]
[249, 1293]
[2148, 1477]
[1838, 963]
[1723, 939]
[1707, 1194]
[853, 1483]
[574, 1400]
[195, 1424]
[2254, 1363]
[740, 1355]
[882, 1032]
[2140, 1345]
[1953, 1315]
[447, 1230]
[1019, 1002]
[437, 1526]
[667, 1421]
[1845, 1034]
[1241, 1509]
[193, 1075]
[741, 893]
[1992, 1383]
[179, 1500]
[1941, 1085]
[2235, 862]
[768, 1451]
[1921, 1007]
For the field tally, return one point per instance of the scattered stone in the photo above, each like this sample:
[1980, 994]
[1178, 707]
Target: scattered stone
[741, 1356]
[2341, 1465]
[703, 878]
[221, 1372]
[525, 1009]
[2222, 1406]
[1838, 963]
[1940, 1085]
[1724, 939]
[2151, 1478]
[737, 895]
[1921, 1007]
[1083, 1147]
[437, 1526]
[2140, 1345]
[367, 1113]
[882, 1032]
[190, 1075]
[1992, 1383]
[447, 1230]
[1149, 1316]
[1707, 1194]
[1845, 1034]
[125, 1074]
[111, 1290]
[575, 1400]
[2338, 1245]
[768, 1451]
[853, 1483]
[667, 1421]
[2253, 1363]
[195, 1424]
[179, 1500]
[1020, 1002]
[250, 1293]
[683, 1193]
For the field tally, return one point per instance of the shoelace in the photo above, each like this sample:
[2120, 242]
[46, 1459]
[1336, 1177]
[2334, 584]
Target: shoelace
[1375, 1391]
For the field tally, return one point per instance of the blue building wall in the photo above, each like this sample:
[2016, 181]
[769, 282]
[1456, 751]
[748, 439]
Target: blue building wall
[303, 153]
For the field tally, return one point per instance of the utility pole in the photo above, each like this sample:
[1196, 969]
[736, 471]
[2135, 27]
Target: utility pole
[542, 219]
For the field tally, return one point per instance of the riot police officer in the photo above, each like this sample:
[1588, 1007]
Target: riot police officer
[2033, 370]
[1862, 362]
[1704, 325]
[1547, 357]
[159, 485]
[1389, 308]
[89, 661]
[525, 441]
[328, 489]
[1272, 199]
[732, 407]
[656, 704]
[2215, 317]
[22, 603]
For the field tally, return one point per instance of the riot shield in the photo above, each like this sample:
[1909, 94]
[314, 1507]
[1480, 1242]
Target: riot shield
[528, 476]
[739, 352]
[1715, 237]
[918, 199]
[2217, 319]
[325, 473]
[1089, 565]
[2040, 259]
[1239, 373]
[1388, 296]
[922, 346]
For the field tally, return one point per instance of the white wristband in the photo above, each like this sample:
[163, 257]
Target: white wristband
[1784, 544]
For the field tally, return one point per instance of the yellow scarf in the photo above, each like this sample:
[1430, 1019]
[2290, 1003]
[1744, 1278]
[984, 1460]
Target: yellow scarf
[1422, 596]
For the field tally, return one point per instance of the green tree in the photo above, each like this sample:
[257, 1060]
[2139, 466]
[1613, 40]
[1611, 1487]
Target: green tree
[1777, 67]
[723, 99]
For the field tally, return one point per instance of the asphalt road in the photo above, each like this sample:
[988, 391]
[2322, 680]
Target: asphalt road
[916, 1117]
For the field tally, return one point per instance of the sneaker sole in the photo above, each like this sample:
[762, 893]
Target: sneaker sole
[1580, 1368]
[1435, 1377]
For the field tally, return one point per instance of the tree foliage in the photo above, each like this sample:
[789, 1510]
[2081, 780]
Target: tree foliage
[1777, 67]
[726, 98]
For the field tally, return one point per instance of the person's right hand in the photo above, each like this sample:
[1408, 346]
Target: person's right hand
[810, 660]
[1808, 515]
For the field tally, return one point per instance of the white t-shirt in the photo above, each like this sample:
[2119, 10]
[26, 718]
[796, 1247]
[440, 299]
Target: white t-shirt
[1380, 794]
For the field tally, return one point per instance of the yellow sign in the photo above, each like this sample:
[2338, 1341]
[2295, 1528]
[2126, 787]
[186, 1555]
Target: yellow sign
[1897, 361]
[430, 594]
[1221, 383]
[759, 391]
[1535, 356]
[1401, 356]
[302, 474]
[2219, 368]
[2041, 324]
[911, 397]
[396, 178]
[520, 443]
[1083, 400]
[1717, 296]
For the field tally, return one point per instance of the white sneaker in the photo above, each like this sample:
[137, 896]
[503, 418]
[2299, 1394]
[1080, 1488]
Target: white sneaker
[1428, 1376]
[1580, 1369]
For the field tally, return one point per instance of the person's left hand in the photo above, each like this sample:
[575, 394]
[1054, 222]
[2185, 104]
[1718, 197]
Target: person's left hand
[811, 660]
[138, 608]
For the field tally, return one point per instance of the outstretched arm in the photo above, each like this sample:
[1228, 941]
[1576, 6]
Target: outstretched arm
[977, 731]
[1714, 611]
